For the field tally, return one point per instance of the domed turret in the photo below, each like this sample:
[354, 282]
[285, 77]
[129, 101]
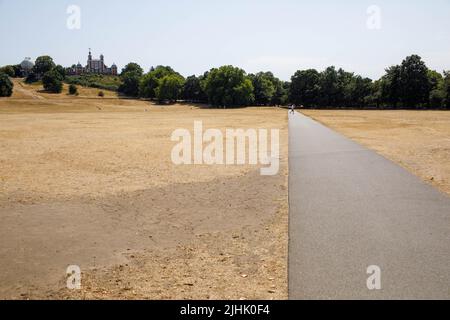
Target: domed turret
[114, 69]
[27, 64]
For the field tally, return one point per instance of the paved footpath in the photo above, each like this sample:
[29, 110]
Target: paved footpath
[351, 208]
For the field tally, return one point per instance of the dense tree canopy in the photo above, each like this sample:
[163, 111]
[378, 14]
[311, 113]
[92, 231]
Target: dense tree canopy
[357, 91]
[61, 71]
[13, 71]
[6, 86]
[436, 85]
[305, 88]
[281, 93]
[329, 87]
[411, 85]
[150, 81]
[8, 70]
[229, 86]
[268, 90]
[52, 81]
[407, 85]
[193, 90]
[390, 86]
[133, 67]
[42, 65]
[446, 90]
[435, 80]
[264, 86]
[414, 82]
[130, 83]
[130, 77]
[169, 88]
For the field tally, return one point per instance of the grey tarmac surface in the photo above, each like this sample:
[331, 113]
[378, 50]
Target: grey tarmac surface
[351, 208]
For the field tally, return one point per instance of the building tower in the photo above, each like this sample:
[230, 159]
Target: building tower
[102, 63]
[27, 66]
[114, 69]
[89, 63]
[79, 69]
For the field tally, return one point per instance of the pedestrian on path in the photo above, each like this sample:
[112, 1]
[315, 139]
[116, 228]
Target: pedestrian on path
[292, 109]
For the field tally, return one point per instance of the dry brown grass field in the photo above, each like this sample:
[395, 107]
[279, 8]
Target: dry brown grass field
[417, 140]
[89, 181]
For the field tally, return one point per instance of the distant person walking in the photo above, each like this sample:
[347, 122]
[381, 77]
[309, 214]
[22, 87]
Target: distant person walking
[292, 109]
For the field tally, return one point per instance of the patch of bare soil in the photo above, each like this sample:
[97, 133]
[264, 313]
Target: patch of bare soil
[221, 239]
[88, 181]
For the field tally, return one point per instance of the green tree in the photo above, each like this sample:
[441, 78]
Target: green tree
[345, 86]
[130, 83]
[61, 70]
[264, 86]
[17, 71]
[446, 90]
[169, 88]
[436, 84]
[43, 65]
[435, 79]
[229, 86]
[31, 78]
[390, 86]
[193, 90]
[52, 82]
[150, 81]
[329, 87]
[305, 88]
[415, 88]
[281, 93]
[8, 70]
[133, 67]
[131, 77]
[357, 91]
[374, 99]
[6, 86]
[437, 98]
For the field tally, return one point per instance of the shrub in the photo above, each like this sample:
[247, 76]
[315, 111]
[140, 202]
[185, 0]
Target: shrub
[73, 89]
[101, 82]
[6, 86]
[101, 94]
[31, 78]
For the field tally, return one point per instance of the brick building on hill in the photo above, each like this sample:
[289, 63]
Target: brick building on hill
[94, 66]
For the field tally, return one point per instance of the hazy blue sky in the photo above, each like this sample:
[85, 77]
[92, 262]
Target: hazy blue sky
[193, 36]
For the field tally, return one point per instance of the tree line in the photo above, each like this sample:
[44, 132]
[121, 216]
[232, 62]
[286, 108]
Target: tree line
[409, 85]
[44, 69]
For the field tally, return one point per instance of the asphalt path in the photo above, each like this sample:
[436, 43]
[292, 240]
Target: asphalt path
[350, 209]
